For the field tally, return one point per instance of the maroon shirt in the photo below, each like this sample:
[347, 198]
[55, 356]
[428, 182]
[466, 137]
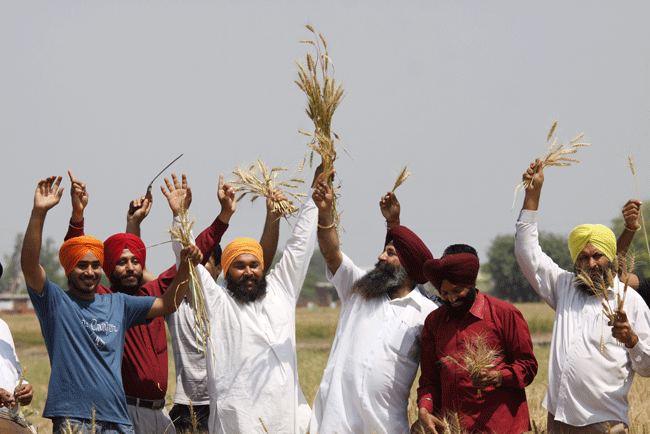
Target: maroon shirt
[144, 364]
[446, 386]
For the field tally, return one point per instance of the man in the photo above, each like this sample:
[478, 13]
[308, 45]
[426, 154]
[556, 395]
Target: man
[11, 373]
[376, 352]
[446, 386]
[144, 368]
[252, 366]
[188, 347]
[84, 332]
[590, 368]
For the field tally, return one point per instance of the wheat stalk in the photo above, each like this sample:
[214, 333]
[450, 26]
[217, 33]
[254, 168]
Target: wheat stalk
[641, 208]
[403, 176]
[555, 156]
[452, 424]
[183, 233]
[476, 356]
[248, 182]
[323, 97]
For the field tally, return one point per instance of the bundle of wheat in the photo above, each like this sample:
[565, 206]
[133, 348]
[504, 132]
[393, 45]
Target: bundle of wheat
[624, 265]
[183, 233]
[641, 209]
[452, 425]
[476, 356]
[403, 176]
[555, 156]
[323, 97]
[248, 182]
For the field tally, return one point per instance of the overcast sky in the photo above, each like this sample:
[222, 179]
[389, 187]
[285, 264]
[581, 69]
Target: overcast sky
[463, 92]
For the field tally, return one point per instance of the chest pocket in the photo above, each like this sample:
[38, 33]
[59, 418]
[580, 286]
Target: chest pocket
[403, 339]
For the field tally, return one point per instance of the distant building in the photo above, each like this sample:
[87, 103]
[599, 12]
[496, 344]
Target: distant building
[15, 303]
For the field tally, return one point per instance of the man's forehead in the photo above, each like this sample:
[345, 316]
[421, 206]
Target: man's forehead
[246, 257]
[89, 257]
[590, 249]
[126, 253]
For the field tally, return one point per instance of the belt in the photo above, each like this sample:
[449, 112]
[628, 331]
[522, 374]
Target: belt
[154, 404]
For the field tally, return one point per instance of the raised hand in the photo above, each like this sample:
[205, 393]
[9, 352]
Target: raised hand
[79, 196]
[177, 193]
[226, 195]
[139, 209]
[390, 207]
[534, 173]
[323, 195]
[275, 196]
[631, 212]
[48, 194]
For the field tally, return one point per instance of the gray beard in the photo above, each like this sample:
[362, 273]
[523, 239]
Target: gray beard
[383, 279]
[595, 275]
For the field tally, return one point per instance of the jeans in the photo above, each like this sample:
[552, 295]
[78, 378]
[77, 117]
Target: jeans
[84, 426]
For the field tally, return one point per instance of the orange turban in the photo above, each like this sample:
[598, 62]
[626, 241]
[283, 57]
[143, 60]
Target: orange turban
[76, 248]
[239, 247]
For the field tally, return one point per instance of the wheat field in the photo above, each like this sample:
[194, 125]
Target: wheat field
[315, 331]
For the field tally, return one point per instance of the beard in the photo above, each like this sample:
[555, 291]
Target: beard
[240, 290]
[467, 303]
[82, 290]
[119, 284]
[383, 279]
[597, 274]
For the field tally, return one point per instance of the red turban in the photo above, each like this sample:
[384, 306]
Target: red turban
[411, 251]
[114, 247]
[76, 248]
[460, 269]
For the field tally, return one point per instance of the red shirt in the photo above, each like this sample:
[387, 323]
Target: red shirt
[144, 364]
[447, 385]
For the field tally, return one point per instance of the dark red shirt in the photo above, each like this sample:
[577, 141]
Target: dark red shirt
[144, 364]
[446, 386]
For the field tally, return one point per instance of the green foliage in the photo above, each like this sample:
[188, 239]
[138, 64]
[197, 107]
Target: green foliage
[12, 280]
[507, 278]
[638, 243]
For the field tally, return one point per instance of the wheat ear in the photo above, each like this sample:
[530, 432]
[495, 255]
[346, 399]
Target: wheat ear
[647, 246]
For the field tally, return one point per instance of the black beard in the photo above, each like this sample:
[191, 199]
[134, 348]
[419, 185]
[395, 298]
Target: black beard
[117, 286]
[71, 285]
[459, 312]
[241, 293]
[595, 273]
[383, 279]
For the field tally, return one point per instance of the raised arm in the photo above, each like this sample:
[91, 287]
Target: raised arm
[631, 212]
[48, 194]
[79, 198]
[138, 211]
[328, 238]
[390, 209]
[533, 192]
[271, 232]
[170, 300]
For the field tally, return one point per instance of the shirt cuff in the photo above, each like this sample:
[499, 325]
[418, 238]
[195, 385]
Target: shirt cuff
[528, 216]
[426, 402]
[638, 352]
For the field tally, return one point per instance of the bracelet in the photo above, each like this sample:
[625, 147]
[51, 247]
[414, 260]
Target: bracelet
[326, 227]
[74, 227]
[388, 222]
[632, 230]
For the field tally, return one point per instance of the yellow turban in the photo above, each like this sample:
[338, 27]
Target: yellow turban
[76, 248]
[239, 247]
[600, 236]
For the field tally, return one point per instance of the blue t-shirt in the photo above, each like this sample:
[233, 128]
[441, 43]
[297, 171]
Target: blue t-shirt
[85, 342]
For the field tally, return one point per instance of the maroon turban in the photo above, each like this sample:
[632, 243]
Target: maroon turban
[411, 251]
[460, 269]
[114, 247]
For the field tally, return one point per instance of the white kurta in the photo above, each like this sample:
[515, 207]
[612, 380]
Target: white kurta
[373, 362]
[10, 370]
[252, 365]
[584, 386]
